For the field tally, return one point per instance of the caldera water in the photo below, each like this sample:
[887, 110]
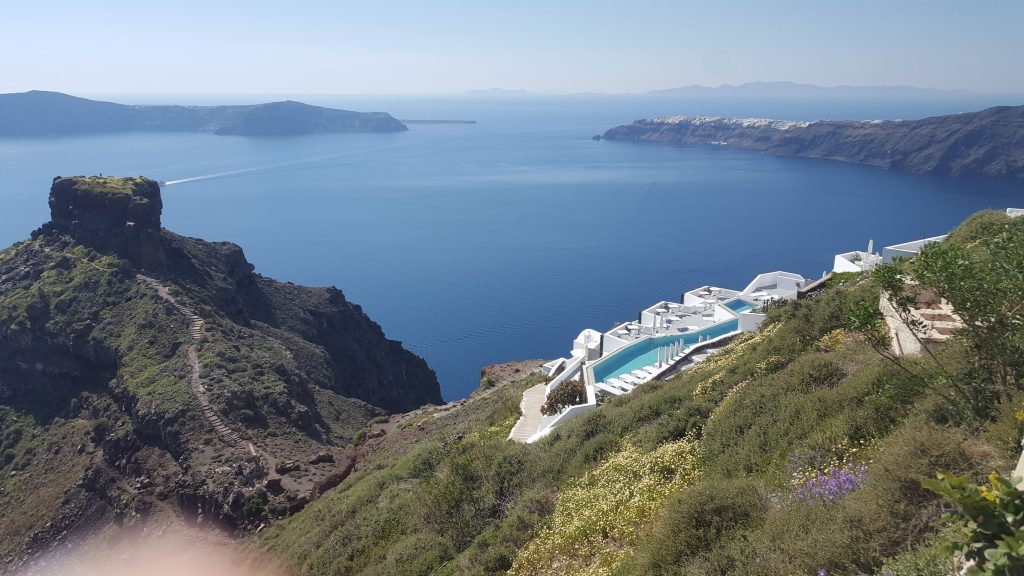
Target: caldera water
[501, 240]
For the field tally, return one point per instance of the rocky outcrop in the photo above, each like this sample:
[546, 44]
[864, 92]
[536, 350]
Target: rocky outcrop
[120, 215]
[988, 143]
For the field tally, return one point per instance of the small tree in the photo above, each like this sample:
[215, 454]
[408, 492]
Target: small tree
[569, 393]
[984, 282]
[867, 320]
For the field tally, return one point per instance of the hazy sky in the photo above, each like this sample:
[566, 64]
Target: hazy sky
[446, 46]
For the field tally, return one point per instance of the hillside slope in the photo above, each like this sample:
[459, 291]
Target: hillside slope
[987, 143]
[52, 113]
[145, 376]
[796, 450]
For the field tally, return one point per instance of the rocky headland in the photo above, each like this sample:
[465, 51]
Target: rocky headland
[989, 143]
[148, 375]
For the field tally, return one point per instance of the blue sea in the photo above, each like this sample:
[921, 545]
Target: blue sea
[501, 240]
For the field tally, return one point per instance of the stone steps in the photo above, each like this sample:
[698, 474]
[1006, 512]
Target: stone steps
[195, 332]
[529, 423]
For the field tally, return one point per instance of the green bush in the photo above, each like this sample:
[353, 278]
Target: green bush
[416, 554]
[932, 558]
[695, 525]
[568, 393]
[254, 508]
[839, 278]
[992, 518]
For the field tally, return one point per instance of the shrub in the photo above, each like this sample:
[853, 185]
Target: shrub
[420, 553]
[992, 518]
[819, 372]
[254, 508]
[932, 558]
[478, 482]
[359, 438]
[695, 522]
[569, 393]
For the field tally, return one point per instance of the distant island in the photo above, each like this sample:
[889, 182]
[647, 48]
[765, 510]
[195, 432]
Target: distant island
[988, 143]
[38, 113]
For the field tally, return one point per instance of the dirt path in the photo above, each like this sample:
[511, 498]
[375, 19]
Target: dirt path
[195, 333]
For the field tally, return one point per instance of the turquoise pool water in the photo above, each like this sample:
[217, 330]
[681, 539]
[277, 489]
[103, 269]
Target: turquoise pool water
[739, 305]
[645, 352]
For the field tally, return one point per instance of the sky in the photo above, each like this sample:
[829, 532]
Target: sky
[544, 46]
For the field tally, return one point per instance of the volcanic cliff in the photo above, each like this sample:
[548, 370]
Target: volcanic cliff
[989, 143]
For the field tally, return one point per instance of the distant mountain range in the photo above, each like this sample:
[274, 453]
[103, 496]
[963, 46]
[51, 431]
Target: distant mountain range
[796, 90]
[987, 143]
[497, 92]
[38, 113]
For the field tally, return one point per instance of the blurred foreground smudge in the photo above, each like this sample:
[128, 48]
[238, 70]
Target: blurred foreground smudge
[179, 553]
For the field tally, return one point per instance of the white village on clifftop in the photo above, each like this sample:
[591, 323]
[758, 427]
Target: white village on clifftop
[669, 337]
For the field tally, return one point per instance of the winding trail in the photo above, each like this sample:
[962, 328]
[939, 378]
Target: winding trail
[196, 333]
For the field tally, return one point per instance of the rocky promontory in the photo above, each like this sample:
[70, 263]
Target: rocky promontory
[989, 143]
[146, 375]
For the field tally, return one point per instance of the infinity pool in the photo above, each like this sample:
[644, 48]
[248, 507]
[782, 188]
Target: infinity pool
[645, 352]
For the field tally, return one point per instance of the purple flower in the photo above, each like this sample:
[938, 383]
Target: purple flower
[830, 485]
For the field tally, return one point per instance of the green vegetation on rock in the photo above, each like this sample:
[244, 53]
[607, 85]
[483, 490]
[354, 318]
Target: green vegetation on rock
[109, 184]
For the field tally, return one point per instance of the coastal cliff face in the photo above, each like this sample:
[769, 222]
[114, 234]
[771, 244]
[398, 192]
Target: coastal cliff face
[146, 375]
[363, 363]
[988, 143]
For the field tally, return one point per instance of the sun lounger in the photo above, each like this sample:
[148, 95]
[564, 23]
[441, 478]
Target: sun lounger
[619, 384]
[629, 379]
[608, 389]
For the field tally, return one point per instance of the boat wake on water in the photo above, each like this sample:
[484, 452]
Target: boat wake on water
[268, 167]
